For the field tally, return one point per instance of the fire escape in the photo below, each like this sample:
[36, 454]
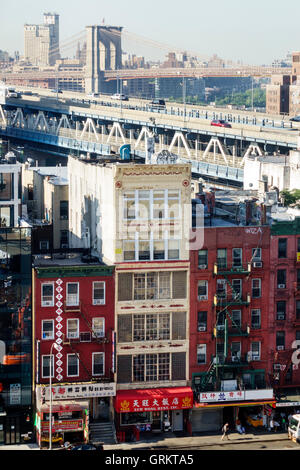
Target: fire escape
[226, 326]
[91, 335]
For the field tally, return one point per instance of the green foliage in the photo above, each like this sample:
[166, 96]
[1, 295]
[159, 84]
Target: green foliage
[291, 197]
[245, 99]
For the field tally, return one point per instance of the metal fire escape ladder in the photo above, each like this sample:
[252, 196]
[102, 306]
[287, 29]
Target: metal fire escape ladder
[88, 372]
[90, 326]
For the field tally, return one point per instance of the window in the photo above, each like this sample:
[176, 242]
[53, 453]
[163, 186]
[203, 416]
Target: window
[44, 245]
[98, 363]
[298, 245]
[201, 354]
[255, 351]
[151, 204]
[64, 210]
[221, 288]
[99, 293]
[46, 366]
[236, 318]
[129, 250]
[72, 365]
[64, 239]
[151, 327]
[236, 350]
[173, 204]
[298, 279]
[72, 294]
[280, 340]
[256, 254]
[151, 367]
[73, 328]
[222, 258]
[202, 259]
[47, 295]
[281, 278]
[149, 249]
[129, 205]
[98, 326]
[237, 257]
[159, 207]
[255, 318]
[144, 205]
[236, 288]
[298, 309]
[256, 288]
[202, 321]
[282, 247]
[48, 329]
[202, 290]
[280, 309]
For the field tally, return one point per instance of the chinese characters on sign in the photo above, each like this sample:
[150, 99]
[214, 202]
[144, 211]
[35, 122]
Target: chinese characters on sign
[155, 404]
[78, 391]
[222, 396]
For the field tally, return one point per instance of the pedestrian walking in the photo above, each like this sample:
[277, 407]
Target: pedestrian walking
[225, 430]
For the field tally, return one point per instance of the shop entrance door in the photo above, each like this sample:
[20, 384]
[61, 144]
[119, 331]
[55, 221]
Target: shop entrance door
[12, 430]
[178, 420]
[156, 421]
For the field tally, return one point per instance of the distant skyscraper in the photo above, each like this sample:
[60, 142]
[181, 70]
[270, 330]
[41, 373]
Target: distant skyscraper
[42, 41]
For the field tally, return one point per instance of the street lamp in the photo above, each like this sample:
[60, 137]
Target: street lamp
[53, 345]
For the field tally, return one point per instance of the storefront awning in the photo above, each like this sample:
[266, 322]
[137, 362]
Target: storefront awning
[289, 400]
[235, 403]
[156, 399]
[65, 406]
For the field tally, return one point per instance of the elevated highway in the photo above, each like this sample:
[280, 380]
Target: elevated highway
[75, 123]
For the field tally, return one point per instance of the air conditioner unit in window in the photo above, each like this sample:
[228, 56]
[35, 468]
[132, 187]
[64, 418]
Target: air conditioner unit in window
[98, 301]
[277, 367]
[220, 327]
[255, 358]
[72, 335]
[280, 348]
[202, 297]
[47, 303]
[280, 316]
[281, 286]
[202, 266]
[201, 328]
[235, 359]
[257, 264]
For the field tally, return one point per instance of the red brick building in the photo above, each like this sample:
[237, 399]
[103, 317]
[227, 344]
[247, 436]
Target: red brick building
[73, 327]
[229, 326]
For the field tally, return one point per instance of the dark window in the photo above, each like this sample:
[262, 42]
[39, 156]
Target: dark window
[179, 366]
[202, 321]
[298, 278]
[297, 335]
[124, 328]
[298, 309]
[282, 247]
[125, 286]
[202, 258]
[64, 239]
[298, 245]
[64, 210]
[280, 340]
[255, 318]
[178, 325]
[124, 368]
[222, 258]
[281, 278]
[179, 285]
[280, 309]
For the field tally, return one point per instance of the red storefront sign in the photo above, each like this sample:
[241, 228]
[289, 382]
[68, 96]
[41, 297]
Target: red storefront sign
[131, 401]
[64, 425]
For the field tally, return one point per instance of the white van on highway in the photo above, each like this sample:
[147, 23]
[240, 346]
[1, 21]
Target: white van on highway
[294, 428]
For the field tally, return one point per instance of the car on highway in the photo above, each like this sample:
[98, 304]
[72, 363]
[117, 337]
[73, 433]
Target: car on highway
[93, 95]
[56, 91]
[295, 119]
[158, 104]
[119, 96]
[220, 123]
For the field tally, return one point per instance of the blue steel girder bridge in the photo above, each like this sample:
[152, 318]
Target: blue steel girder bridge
[72, 125]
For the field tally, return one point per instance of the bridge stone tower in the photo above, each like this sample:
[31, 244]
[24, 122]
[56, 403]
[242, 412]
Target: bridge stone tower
[104, 52]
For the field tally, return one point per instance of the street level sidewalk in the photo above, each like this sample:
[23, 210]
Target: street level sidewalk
[199, 441]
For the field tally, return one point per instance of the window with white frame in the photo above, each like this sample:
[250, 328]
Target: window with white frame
[256, 254]
[98, 326]
[72, 294]
[236, 288]
[72, 365]
[48, 329]
[201, 354]
[255, 318]
[151, 204]
[221, 288]
[236, 350]
[98, 363]
[255, 351]
[237, 254]
[145, 247]
[152, 286]
[46, 366]
[99, 293]
[151, 327]
[47, 294]
[202, 290]
[73, 328]
[236, 318]
[151, 367]
[256, 288]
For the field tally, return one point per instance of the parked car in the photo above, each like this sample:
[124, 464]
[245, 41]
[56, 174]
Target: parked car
[295, 119]
[158, 104]
[87, 447]
[119, 96]
[220, 123]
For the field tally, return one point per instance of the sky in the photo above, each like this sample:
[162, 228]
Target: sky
[254, 32]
